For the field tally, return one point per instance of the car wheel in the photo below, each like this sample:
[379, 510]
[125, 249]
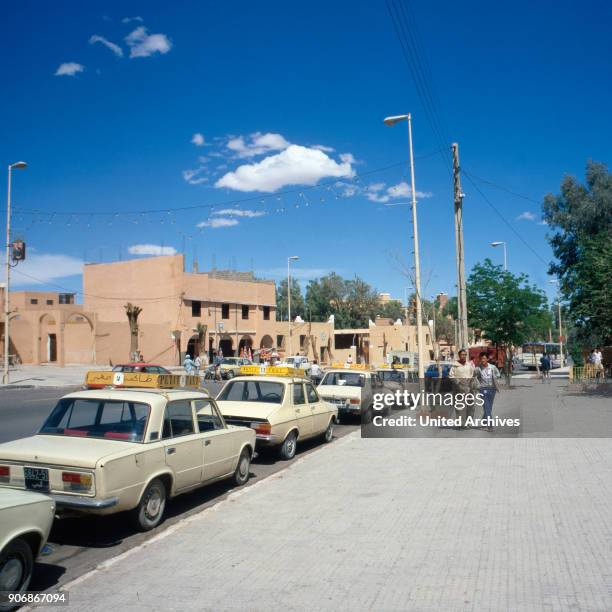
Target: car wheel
[16, 563]
[230, 374]
[328, 436]
[241, 475]
[287, 450]
[150, 511]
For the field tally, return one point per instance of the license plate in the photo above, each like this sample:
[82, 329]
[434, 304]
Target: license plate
[36, 479]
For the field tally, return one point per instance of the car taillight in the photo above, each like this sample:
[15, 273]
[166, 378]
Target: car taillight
[75, 481]
[263, 429]
[355, 401]
[5, 474]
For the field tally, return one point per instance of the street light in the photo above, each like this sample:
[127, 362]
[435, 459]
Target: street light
[502, 243]
[555, 281]
[417, 268]
[20, 165]
[289, 260]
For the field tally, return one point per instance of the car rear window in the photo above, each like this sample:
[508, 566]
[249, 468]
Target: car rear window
[253, 391]
[349, 379]
[96, 418]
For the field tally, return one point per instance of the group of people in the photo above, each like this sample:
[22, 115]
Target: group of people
[192, 366]
[481, 378]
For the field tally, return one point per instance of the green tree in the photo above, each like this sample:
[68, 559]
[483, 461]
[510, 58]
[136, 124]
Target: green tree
[507, 309]
[393, 309]
[297, 300]
[326, 296]
[580, 219]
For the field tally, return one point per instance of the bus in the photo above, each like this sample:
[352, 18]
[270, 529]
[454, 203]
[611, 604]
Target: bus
[533, 351]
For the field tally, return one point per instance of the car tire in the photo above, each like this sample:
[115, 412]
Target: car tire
[289, 446]
[229, 375]
[328, 435]
[241, 475]
[16, 564]
[150, 510]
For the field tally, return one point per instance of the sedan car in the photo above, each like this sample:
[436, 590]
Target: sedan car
[150, 368]
[109, 450]
[437, 377]
[282, 409]
[25, 523]
[230, 366]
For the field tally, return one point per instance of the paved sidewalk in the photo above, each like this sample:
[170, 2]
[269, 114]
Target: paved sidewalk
[381, 524]
[54, 376]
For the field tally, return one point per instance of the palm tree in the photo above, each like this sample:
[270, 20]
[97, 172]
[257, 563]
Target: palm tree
[132, 313]
[201, 331]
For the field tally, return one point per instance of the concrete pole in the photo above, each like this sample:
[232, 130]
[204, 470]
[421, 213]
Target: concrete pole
[7, 310]
[289, 353]
[461, 289]
[417, 265]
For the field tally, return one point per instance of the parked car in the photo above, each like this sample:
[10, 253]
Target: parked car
[351, 390]
[25, 523]
[282, 407]
[150, 368]
[437, 378]
[297, 361]
[110, 450]
[230, 366]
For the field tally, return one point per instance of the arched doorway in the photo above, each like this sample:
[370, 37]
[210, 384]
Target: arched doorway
[48, 339]
[266, 342]
[246, 343]
[193, 346]
[226, 346]
[79, 339]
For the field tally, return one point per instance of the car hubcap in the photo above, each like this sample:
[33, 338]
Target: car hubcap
[11, 574]
[153, 505]
[244, 467]
[329, 433]
[290, 446]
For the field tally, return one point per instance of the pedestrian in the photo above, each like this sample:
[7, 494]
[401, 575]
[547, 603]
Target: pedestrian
[598, 363]
[545, 366]
[197, 364]
[188, 364]
[316, 373]
[487, 375]
[462, 379]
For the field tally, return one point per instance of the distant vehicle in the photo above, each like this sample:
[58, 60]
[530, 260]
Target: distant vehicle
[533, 351]
[297, 361]
[230, 366]
[149, 368]
[435, 374]
[25, 523]
[497, 356]
[409, 359]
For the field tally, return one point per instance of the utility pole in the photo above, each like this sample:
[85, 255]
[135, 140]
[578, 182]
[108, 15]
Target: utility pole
[463, 340]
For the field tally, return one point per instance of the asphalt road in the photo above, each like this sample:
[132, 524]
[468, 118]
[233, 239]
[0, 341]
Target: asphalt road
[80, 544]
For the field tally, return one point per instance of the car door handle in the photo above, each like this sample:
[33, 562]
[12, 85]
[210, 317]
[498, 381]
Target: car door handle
[170, 451]
[206, 442]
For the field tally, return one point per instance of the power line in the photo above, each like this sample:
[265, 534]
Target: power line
[502, 188]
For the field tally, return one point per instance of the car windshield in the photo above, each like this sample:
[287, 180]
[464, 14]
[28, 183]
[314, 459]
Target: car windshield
[253, 391]
[349, 379]
[98, 418]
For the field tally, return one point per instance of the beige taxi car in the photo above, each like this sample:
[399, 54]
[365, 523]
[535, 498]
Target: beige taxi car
[280, 404]
[129, 447]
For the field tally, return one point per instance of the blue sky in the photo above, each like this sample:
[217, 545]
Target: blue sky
[203, 104]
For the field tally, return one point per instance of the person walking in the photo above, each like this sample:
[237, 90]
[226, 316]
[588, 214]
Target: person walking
[462, 379]
[597, 360]
[487, 375]
[316, 373]
[188, 364]
[197, 364]
[545, 366]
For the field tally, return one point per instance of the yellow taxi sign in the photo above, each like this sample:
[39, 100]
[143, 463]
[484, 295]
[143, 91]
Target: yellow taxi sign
[262, 370]
[139, 380]
[351, 366]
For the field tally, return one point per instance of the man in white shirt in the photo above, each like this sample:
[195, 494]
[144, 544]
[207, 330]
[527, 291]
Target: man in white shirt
[462, 375]
[597, 360]
[316, 373]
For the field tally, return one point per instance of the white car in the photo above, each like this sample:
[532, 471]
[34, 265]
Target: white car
[25, 523]
[299, 362]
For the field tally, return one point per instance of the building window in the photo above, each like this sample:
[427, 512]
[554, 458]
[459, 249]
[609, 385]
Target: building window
[196, 308]
[33, 301]
[302, 341]
[245, 312]
[266, 313]
[225, 311]
[66, 298]
[49, 302]
[279, 340]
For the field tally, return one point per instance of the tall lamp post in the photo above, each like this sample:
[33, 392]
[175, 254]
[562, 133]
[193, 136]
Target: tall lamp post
[417, 266]
[502, 243]
[289, 260]
[555, 281]
[20, 165]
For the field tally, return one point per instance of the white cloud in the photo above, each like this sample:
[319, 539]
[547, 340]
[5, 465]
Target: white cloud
[42, 268]
[194, 177]
[296, 165]
[197, 139]
[69, 69]
[143, 44]
[151, 249]
[347, 158]
[379, 192]
[220, 222]
[526, 216]
[323, 148]
[239, 212]
[257, 144]
[116, 49]
[130, 19]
